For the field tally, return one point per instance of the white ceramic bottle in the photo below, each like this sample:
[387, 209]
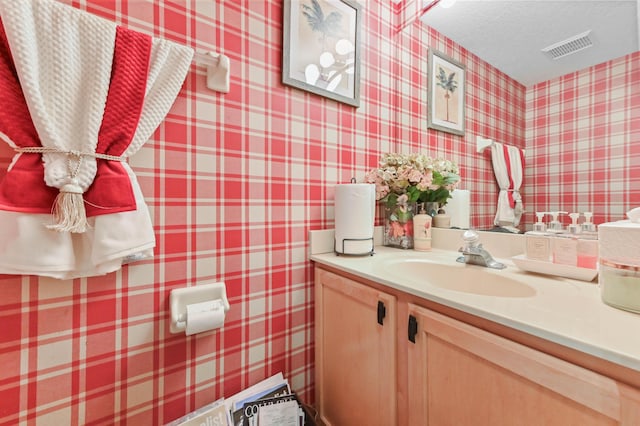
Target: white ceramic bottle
[422, 230]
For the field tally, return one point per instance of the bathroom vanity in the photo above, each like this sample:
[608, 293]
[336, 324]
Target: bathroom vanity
[408, 338]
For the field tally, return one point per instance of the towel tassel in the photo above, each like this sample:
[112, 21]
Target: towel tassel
[68, 210]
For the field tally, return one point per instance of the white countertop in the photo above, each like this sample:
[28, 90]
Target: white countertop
[561, 310]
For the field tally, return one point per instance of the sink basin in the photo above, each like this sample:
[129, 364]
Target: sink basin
[457, 277]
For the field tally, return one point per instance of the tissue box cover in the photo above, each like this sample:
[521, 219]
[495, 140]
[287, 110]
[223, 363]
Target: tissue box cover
[620, 242]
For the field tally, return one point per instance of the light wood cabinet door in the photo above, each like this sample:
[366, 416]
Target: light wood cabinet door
[462, 375]
[355, 354]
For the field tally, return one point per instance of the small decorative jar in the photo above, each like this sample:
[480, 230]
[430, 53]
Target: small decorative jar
[442, 220]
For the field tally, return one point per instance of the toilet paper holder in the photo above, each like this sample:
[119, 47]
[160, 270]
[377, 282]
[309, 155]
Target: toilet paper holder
[181, 297]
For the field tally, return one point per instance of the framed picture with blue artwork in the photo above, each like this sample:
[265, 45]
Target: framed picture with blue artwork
[321, 48]
[445, 107]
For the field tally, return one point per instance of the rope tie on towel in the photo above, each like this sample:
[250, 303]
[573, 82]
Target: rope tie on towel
[68, 209]
[79, 154]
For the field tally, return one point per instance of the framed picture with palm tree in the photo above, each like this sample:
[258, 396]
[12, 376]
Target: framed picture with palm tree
[445, 108]
[320, 49]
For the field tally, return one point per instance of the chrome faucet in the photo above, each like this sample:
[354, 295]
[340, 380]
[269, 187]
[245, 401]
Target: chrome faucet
[473, 253]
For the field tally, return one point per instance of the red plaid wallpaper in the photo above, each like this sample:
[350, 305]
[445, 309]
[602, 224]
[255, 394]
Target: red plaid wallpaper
[583, 137]
[234, 183]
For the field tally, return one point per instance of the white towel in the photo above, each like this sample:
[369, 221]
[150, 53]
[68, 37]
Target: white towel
[63, 58]
[508, 166]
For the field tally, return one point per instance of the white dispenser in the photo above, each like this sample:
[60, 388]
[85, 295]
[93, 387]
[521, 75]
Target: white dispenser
[537, 245]
[588, 244]
[564, 249]
[587, 225]
[574, 228]
[539, 226]
[422, 230]
[555, 226]
[564, 245]
[588, 251]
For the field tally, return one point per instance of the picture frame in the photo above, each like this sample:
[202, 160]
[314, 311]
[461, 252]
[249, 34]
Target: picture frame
[321, 48]
[446, 93]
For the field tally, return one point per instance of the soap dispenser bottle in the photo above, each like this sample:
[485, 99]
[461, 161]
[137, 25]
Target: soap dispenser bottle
[564, 245]
[588, 244]
[422, 230]
[555, 226]
[574, 228]
[588, 226]
[537, 242]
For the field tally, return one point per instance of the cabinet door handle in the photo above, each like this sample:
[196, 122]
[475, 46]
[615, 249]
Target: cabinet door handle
[413, 328]
[382, 312]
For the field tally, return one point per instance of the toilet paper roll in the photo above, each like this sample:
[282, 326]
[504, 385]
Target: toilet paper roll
[355, 211]
[204, 316]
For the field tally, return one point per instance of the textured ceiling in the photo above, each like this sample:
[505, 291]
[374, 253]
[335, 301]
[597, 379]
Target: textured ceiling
[509, 34]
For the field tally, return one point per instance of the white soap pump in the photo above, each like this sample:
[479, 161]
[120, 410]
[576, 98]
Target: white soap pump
[587, 225]
[555, 225]
[573, 228]
[539, 226]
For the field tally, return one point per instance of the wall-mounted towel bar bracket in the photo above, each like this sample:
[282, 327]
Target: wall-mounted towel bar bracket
[484, 143]
[206, 58]
[218, 70]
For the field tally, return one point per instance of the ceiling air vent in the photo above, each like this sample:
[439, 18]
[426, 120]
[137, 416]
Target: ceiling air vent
[567, 47]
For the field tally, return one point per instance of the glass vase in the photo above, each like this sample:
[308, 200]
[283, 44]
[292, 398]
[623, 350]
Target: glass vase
[398, 225]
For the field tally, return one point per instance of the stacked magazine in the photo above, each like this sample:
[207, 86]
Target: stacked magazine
[267, 403]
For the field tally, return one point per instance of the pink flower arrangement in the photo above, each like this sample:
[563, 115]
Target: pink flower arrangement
[418, 176]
